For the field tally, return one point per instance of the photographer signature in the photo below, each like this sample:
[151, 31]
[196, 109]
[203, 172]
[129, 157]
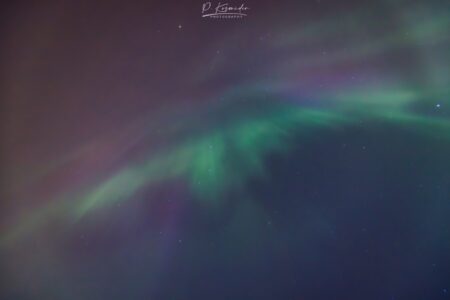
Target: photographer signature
[223, 10]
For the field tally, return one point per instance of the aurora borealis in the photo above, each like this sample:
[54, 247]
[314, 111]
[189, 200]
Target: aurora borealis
[298, 152]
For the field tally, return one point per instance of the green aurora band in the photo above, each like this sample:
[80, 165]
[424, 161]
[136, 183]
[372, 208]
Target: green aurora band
[225, 157]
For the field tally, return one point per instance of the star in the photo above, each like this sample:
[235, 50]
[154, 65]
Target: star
[179, 26]
[438, 105]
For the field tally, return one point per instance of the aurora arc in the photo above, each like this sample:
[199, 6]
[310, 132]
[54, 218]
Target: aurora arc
[227, 155]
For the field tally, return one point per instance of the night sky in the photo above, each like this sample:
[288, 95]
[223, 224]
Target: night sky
[277, 150]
